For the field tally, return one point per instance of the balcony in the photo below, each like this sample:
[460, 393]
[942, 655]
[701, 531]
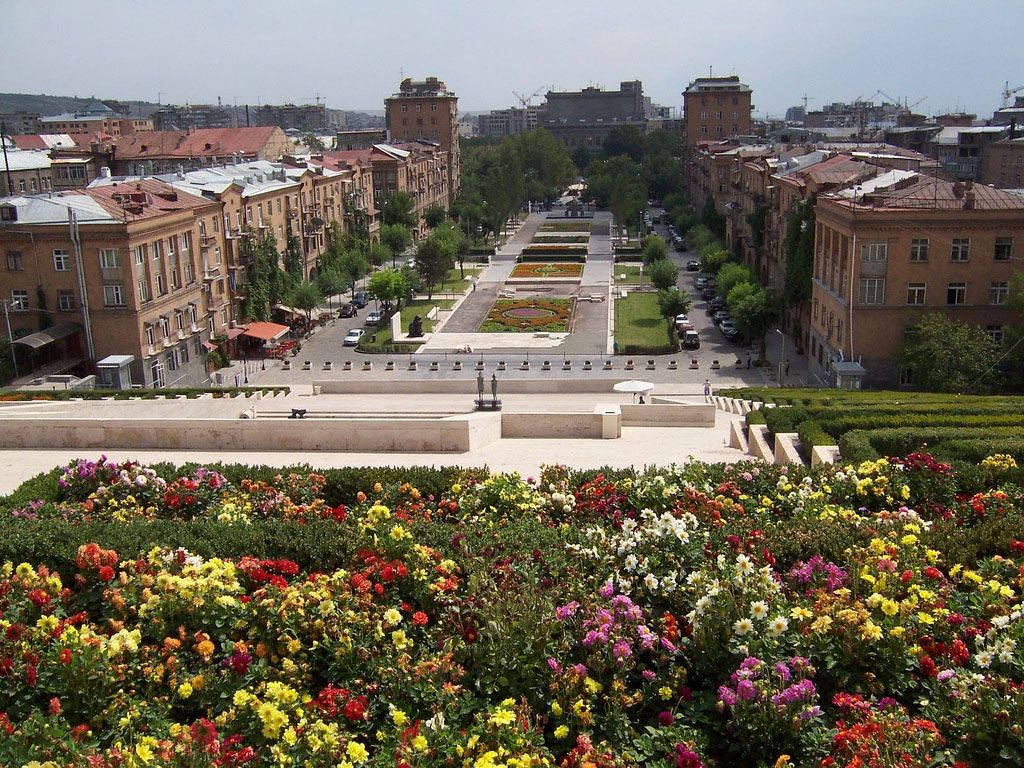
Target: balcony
[111, 273]
[205, 242]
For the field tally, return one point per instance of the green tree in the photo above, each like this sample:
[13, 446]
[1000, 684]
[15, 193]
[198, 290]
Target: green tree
[713, 257]
[1013, 363]
[664, 274]
[581, 158]
[397, 208]
[305, 296]
[799, 247]
[625, 140]
[712, 219]
[433, 260]
[730, 274]
[386, 286]
[377, 253]
[654, 249]
[943, 355]
[672, 302]
[293, 258]
[736, 295]
[396, 237]
[313, 144]
[330, 281]
[756, 314]
[352, 266]
[434, 215]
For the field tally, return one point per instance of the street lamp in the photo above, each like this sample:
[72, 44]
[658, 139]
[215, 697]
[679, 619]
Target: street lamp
[782, 356]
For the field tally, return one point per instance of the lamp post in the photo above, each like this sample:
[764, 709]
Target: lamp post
[782, 356]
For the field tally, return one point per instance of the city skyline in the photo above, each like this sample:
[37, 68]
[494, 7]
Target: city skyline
[830, 56]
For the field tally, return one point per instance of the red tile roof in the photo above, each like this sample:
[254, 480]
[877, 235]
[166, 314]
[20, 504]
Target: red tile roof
[28, 141]
[935, 194]
[205, 142]
[153, 198]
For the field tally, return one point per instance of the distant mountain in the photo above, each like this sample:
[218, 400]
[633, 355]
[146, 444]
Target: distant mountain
[43, 104]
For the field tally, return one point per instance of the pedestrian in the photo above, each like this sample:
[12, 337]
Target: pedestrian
[707, 390]
[748, 361]
[642, 402]
[787, 366]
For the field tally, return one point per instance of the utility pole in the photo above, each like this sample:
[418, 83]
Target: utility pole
[79, 268]
[7, 163]
[10, 337]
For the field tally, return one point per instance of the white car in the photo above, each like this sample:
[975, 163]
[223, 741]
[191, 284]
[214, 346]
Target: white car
[683, 323]
[353, 336]
[374, 317]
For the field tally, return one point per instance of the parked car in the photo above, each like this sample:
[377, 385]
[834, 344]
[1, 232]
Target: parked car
[353, 336]
[410, 263]
[718, 302]
[691, 340]
[679, 244]
[683, 323]
[707, 294]
[703, 281]
[361, 299]
[720, 316]
[349, 310]
[730, 331]
[693, 265]
[375, 317]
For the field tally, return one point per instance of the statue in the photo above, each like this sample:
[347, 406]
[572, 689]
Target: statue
[416, 327]
[494, 390]
[479, 388]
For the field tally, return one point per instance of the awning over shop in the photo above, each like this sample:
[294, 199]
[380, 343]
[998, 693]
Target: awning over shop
[289, 310]
[233, 332]
[40, 339]
[265, 331]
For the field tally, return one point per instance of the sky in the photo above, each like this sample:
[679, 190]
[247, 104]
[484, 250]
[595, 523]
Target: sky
[953, 53]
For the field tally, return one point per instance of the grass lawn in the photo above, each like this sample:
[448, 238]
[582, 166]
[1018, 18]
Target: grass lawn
[580, 225]
[409, 310]
[631, 272]
[546, 269]
[454, 283]
[639, 324]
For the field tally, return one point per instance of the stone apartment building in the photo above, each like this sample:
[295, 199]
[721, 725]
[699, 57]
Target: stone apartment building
[96, 116]
[427, 111]
[584, 118]
[509, 122]
[131, 278]
[20, 122]
[190, 117]
[25, 172]
[156, 152]
[1002, 163]
[959, 149]
[890, 250]
[716, 108]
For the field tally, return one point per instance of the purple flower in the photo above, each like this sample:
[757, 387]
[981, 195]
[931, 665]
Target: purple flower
[783, 672]
[727, 696]
[553, 664]
[946, 674]
[746, 690]
[607, 589]
[665, 718]
[649, 674]
[621, 650]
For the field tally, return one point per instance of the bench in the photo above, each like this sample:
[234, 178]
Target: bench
[693, 364]
[298, 413]
[328, 365]
[307, 365]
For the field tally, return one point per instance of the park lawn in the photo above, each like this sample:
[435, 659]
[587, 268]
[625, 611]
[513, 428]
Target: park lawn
[631, 272]
[454, 283]
[639, 324]
[382, 333]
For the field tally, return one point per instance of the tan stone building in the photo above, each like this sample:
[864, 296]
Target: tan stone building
[716, 108]
[131, 277]
[897, 247]
[96, 116]
[25, 172]
[1002, 163]
[156, 152]
[427, 110]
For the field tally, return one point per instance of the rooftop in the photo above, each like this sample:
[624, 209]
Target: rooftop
[905, 190]
[709, 84]
[26, 160]
[204, 142]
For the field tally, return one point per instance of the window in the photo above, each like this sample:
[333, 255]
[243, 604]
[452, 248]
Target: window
[1004, 249]
[21, 185]
[14, 261]
[109, 258]
[32, 184]
[172, 251]
[19, 301]
[165, 326]
[956, 293]
[175, 280]
[998, 293]
[872, 290]
[192, 313]
[139, 255]
[172, 360]
[961, 250]
[161, 287]
[143, 290]
[150, 335]
[186, 243]
[158, 250]
[156, 370]
[113, 295]
[190, 273]
[61, 261]
[183, 353]
[996, 332]
[66, 300]
[873, 252]
[915, 293]
[919, 249]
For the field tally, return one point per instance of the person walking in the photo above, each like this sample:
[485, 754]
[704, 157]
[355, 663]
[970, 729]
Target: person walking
[707, 390]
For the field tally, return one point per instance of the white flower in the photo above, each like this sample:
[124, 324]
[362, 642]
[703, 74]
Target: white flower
[630, 563]
[651, 581]
[759, 610]
[744, 566]
[778, 625]
[743, 626]
[983, 659]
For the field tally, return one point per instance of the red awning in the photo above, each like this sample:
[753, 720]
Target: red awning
[265, 331]
[233, 332]
[209, 345]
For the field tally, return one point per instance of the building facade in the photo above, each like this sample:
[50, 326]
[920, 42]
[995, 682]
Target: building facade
[190, 117]
[1002, 163]
[585, 118]
[716, 108]
[299, 117]
[508, 122]
[24, 172]
[96, 116]
[427, 111]
[20, 122]
[959, 149]
[361, 139]
[901, 246]
[156, 152]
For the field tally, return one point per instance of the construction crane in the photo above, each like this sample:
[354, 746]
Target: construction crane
[525, 101]
[317, 98]
[1008, 92]
[910, 107]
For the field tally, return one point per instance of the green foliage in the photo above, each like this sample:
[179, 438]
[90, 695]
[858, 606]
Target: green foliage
[352, 266]
[617, 184]
[672, 302]
[434, 257]
[755, 314]
[731, 274]
[756, 221]
[664, 274]
[265, 281]
[293, 259]
[312, 143]
[396, 237]
[305, 296]
[655, 249]
[397, 208]
[950, 356]
[386, 286]
[712, 219]
[737, 294]
[799, 248]
[434, 215]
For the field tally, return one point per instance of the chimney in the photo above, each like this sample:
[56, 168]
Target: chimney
[181, 171]
[969, 199]
[104, 172]
[958, 190]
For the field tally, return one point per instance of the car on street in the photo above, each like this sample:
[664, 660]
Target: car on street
[691, 340]
[718, 302]
[361, 299]
[683, 323]
[693, 265]
[730, 331]
[349, 310]
[720, 316]
[704, 281]
[353, 336]
[375, 317]
[410, 263]
[707, 294]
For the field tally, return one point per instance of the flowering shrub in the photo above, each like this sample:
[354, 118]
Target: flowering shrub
[685, 617]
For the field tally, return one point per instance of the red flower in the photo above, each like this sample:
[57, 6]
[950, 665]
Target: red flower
[665, 718]
[54, 707]
[106, 573]
[419, 619]
[65, 656]
[932, 572]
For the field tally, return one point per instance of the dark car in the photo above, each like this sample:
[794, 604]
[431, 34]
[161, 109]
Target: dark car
[349, 310]
[720, 316]
[707, 294]
[692, 265]
[361, 299]
[718, 303]
[691, 340]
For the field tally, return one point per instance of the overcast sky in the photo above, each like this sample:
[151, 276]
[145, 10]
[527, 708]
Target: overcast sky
[957, 53]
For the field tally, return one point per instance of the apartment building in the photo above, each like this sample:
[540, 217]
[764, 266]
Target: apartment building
[509, 122]
[96, 116]
[427, 110]
[190, 117]
[959, 149]
[892, 249]
[1002, 163]
[156, 152]
[716, 108]
[129, 276]
[24, 172]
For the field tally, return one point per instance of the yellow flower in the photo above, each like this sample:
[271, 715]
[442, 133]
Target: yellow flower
[185, 690]
[897, 631]
[289, 737]
[800, 613]
[871, 631]
[398, 717]
[400, 641]
[419, 743]
[357, 752]
[392, 616]
[501, 717]
[592, 685]
[561, 732]
[890, 607]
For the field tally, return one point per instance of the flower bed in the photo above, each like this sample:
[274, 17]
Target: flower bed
[578, 225]
[568, 237]
[528, 315]
[555, 248]
[542, 269]
[704, 615]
